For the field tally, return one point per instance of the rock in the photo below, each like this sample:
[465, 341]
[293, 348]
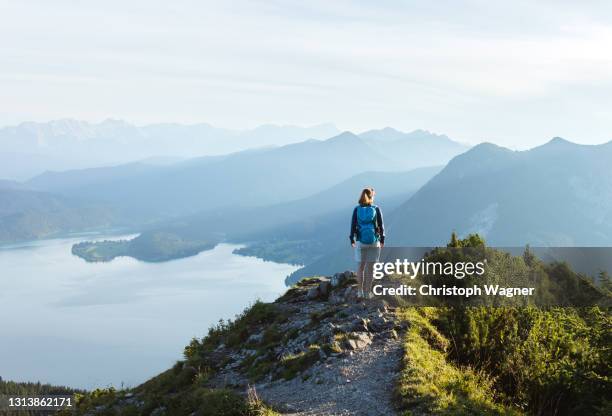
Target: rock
[336, 279]
[258, 360]
[351, 344]
[350, 294]
[378, 303]
[255, 338]
[159, 411]
[298, 324]
[324, 287]
[360, 324]
[362, 339]
[401, 326]
[313, 293]
[379, 324]
[335, 298]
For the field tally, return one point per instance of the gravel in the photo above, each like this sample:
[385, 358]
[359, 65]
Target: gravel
[360, 383]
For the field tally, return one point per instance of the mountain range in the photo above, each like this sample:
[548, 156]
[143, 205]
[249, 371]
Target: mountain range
[294, 197]
[31, 148]
[215, 191]
[557, 194]
[244, 179]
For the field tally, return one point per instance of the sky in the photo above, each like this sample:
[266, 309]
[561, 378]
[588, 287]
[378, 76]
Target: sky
[514, 73]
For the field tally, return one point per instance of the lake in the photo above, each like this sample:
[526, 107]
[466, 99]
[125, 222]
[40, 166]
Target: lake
[68, 322]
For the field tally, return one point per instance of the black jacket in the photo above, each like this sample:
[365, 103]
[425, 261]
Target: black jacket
[380, 227]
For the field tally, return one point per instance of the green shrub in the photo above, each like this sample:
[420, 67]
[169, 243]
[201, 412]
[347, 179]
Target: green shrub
[294, 364]
[555, 361]
[429, 383]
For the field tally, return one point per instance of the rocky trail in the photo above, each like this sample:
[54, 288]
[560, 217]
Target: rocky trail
[354, 347]
[356, 385]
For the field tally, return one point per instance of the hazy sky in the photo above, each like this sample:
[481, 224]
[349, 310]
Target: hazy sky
[516, 73]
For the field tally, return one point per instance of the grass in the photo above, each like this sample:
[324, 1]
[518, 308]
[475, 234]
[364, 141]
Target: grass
[294, 364]
[430, 383]
[235, 332]
[317, 317]
[182, 390]
[177, 394]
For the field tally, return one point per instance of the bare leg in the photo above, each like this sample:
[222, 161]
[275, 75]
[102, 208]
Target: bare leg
[360, 276]
[368, 278]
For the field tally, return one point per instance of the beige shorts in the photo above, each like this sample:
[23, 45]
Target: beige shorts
[367, 252]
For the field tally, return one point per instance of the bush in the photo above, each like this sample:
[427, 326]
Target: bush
[555, 361]
[428, 383]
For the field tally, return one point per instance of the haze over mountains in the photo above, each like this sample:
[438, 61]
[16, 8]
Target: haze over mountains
[559, 193]
[31, 148]
[30, 215]
[244, 179]
[156, 189]
[292, 197]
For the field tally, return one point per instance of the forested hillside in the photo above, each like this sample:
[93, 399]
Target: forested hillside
[28, 215]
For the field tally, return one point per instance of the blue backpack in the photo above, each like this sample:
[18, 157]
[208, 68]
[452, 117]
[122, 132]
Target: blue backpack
[366, 224]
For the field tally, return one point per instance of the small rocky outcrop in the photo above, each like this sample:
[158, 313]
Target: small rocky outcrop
[319, 320]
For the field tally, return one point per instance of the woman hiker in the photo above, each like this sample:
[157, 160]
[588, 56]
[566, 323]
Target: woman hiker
[367, 237]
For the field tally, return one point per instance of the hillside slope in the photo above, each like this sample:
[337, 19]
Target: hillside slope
[28, 215]
[556, 194]
[244, 179]
[417, 148]
[318, 350]
[285, 232]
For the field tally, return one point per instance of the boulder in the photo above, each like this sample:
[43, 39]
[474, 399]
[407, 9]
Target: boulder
[378, 324]
[324, 287]
[360, 324]
[350, 344]
[335, 298]
[313, 293]
[255, 338]
[362, 339]
[350, 294]
[357, 340]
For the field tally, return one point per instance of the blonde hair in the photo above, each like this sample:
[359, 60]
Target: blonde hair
[367, 196]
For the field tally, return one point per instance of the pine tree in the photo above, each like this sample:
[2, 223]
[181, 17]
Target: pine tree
[454, 242]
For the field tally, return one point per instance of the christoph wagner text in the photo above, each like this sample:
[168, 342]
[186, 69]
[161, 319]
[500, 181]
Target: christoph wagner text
[428, 290]
[413, 268]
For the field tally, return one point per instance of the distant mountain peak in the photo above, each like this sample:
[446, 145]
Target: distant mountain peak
[556, 143]
[391, 130]
[487, 147]
[559, 141]
[418, 135]
[386, 133]
[344, 136]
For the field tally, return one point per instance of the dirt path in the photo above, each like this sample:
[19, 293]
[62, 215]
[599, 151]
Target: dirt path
[358, 384]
